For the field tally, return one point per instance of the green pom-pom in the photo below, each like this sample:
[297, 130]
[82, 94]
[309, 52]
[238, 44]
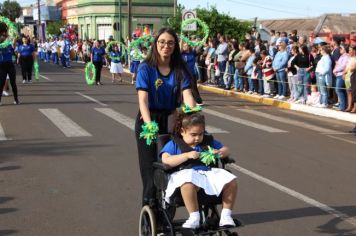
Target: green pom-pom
[149, 132]
[208, 157]
[36, 70]
[205, 29]
[90, 69]
[12, 30]
[187, 109]
[123, 49]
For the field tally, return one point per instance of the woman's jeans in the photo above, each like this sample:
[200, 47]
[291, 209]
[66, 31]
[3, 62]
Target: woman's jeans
[303, 88]
[282, 82]
[231, 74]
[322, 86]
[341, 92]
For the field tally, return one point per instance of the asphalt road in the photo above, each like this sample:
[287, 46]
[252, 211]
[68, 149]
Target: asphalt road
[68, 162]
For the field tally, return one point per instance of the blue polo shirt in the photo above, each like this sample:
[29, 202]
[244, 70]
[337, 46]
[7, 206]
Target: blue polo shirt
[26, 50]
[172, 148]
[190, 59]
[98, 54]
[116, 54]
[162, 90]
[6, 54]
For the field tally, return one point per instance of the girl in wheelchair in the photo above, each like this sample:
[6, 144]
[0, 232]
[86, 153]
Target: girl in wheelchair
[192, 174]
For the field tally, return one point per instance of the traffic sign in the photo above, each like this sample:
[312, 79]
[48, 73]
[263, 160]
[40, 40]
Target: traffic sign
[187, 14]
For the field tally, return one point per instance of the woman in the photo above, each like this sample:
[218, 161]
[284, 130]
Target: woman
[324, 75]
[209, 61]
[231, 63]
[292, 75]
[7, 67]
[26, 57]
[339, 74]
[279, 65]
[96, 57]
[348, 73]
[303, 64]
[162, 80]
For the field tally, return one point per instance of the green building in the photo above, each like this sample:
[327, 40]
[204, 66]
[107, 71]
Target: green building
[99, 19]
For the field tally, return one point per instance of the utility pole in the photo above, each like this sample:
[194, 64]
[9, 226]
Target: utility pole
[120, 21]
[174, 8]
[39, 28]
[129, 5]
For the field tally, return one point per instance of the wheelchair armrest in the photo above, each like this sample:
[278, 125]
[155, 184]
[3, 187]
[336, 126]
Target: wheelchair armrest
[161, 166]
[227, 160]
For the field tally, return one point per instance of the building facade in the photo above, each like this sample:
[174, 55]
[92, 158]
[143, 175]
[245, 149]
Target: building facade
[99, 19]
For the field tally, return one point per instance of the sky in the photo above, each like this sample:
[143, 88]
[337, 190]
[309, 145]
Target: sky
[272, 9]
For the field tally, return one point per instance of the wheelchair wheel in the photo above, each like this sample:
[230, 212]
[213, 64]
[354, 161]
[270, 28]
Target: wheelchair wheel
[147, 225]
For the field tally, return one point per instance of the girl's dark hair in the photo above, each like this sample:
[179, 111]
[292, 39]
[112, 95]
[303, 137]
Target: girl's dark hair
[184, 120]
[3, 28]
[177, 64]
[305, 50]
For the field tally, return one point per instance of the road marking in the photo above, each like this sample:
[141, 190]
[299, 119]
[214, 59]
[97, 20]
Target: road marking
[289, 121]
[68, 127]
[91, 99]
[130, 123]
[214, 130]
[46, 78]
[341, 139]
[2, 134]
[297, 195]
[122, 119]
[244, 122]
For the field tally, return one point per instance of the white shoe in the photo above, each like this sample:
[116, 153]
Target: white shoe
[4, 93]
[226, 221]
[24, 81]
[323, 106]
[281, 97]
[191, 223]
[267, 96]
[276, 97]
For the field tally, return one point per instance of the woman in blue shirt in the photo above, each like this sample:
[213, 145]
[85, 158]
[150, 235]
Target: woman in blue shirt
[6, 64]
[162, 81]
[26, 56]
[97, 56]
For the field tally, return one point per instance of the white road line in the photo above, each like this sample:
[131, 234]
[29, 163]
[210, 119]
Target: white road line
[130, 123]
[2, 134]
[214, 130]
[122, 119]
[46, 78]
[92, 99]
[289, 121]
[341, 139]
[297, 195]
[244, 122]
[64, 123]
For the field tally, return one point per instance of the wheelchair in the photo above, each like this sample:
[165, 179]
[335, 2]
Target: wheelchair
[157, 218]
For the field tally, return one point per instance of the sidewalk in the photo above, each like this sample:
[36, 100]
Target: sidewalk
[325, 112]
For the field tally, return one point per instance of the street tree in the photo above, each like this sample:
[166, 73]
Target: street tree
[53, 28]
[217, 22]
[10, 9]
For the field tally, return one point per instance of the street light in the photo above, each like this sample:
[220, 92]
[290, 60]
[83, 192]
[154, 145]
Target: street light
[120, 22]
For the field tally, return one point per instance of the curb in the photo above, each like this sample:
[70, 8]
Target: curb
[344, 116]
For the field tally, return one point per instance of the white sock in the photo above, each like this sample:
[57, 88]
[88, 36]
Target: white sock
[194, 215]
[226, 212]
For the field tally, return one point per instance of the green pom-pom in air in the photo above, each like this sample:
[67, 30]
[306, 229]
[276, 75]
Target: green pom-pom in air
[205, 29]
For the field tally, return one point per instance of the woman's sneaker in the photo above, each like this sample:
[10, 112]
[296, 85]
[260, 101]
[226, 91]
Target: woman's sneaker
[226, 221]
[191, 223]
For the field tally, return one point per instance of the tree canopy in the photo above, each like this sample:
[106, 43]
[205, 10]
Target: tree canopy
[10, 9]
[53, 28]
[217, 22]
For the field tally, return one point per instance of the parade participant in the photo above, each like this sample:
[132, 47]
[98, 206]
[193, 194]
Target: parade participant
[116, 66]
[96, 57]
[184, 154]
[66, 53]
[134, 63]
[7, 67]
[26, 57]
[54, 49]
[162, 81]
[189, 56]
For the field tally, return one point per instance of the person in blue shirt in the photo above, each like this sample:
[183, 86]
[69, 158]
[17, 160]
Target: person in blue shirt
[26, 56]
[190, 57]
[7, 67]
[116, 66]
[66, 52]
[97, 56]
[279, 65]
[162, 83]
[191, 174]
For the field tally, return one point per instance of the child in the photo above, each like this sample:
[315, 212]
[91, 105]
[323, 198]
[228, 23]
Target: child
[135, 62]
[116, 66]
[193, 174]
[314, 98]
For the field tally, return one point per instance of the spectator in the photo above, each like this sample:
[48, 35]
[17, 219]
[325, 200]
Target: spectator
[347, 74]
[293, 75]
[279, 66]
[339, 74]
[267, 74]
[324, 75]
[222, 55]
[231, 63]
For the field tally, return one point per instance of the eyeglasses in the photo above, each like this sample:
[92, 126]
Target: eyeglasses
[162, 43]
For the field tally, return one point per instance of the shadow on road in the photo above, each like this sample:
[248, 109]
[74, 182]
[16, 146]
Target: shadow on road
[332, 227]
[7, 232]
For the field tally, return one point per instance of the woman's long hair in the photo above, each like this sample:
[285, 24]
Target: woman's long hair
[177, 64]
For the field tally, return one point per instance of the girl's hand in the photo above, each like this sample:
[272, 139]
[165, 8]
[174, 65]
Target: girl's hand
[192, 155]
